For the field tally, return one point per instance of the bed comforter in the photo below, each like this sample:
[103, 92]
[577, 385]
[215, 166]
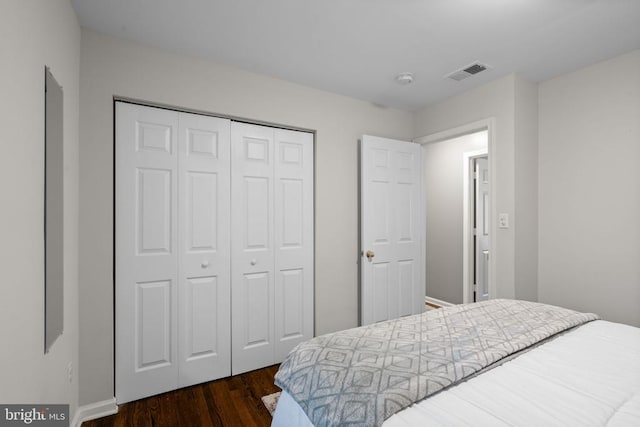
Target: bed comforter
[364, 375]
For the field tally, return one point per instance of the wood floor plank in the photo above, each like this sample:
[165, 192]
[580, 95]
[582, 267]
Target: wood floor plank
[203, 409]
[169, 410]
[140, 414]
[217, 418]
[121, 419]
[228, 402]
[224, 404]
[245, 416]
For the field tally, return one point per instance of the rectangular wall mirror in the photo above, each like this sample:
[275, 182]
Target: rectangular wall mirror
[53, 212]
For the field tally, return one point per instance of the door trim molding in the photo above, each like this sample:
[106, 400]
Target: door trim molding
[231, 117]
[436, 301]
[94, 410]
[467, 223]
[488, 124]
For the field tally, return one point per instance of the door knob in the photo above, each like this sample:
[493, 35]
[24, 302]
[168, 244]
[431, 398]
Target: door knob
[254, 261]
[370, 254]
[205, 264]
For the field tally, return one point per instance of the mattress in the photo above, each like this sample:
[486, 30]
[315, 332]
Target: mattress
[589, 376]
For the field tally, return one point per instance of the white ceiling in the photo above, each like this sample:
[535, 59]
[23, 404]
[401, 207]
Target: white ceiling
[357, 47]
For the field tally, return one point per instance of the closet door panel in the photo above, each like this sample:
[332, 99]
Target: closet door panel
[294, 227]
[204, 278]
[202, 299]
[252, 285]
[153, 325]
[146, 251]
[290, 301]
[153, 214]
[201, 226]
[257, 215]
[255, 290]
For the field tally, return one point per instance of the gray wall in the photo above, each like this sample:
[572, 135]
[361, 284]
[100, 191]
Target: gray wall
[34, 34]
[589, 189]
[111, 66]
[525, 220]
[444, 214]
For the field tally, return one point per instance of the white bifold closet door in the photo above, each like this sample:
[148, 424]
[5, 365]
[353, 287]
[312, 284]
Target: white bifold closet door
[172, 250]
[272, 243]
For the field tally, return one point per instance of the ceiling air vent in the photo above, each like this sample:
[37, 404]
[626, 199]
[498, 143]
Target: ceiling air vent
[467, 71]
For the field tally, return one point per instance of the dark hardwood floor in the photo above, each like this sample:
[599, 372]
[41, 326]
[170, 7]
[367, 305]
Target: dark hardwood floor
[230, 402]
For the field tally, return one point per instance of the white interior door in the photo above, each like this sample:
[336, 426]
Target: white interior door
[252, 281]
[146, 251]
[481, 229]
[294, 273]
[204, 326]
[392, 228]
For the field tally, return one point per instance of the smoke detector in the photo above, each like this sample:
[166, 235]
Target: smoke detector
[467, 71]
[404, 79]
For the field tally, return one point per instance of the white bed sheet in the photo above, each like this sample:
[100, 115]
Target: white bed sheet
[587, 377]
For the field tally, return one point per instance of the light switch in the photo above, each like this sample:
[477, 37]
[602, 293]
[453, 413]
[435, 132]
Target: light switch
[503, 220]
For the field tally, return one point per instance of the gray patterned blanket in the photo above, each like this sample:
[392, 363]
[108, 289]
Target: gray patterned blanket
[362, 376]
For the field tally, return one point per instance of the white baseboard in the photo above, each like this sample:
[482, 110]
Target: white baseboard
[94, 410]
[436, 301]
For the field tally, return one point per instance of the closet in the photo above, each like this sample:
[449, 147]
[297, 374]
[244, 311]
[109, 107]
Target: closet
[213, 247]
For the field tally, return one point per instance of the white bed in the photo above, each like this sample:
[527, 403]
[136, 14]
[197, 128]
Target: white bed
[589, 376]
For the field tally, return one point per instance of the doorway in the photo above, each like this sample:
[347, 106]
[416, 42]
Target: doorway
[450, 159]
